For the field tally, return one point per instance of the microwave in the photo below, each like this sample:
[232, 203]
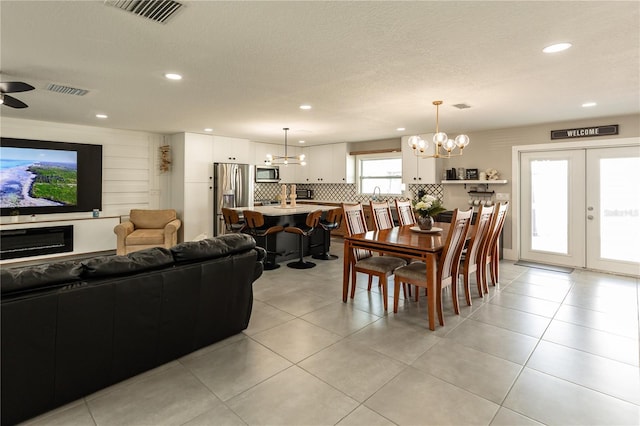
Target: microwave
[267, 174]
[304, 194]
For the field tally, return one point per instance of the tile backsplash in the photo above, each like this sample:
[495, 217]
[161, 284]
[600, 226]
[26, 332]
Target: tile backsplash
[340, 191]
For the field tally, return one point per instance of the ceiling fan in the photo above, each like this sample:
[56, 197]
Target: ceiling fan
[13, 87]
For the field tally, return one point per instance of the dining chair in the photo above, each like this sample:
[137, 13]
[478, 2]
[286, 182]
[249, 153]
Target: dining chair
[489, 251]
[405, 212]
[448, 263]
[364, 261]
[382, 219]
[470, 256]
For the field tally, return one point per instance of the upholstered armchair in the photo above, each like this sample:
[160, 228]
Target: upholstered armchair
[147, 228]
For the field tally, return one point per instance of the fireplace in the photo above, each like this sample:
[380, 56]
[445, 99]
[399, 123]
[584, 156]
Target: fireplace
[16, 243]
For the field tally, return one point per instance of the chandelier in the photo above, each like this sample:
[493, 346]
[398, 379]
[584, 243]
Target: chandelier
[441, 141]
[286, 159]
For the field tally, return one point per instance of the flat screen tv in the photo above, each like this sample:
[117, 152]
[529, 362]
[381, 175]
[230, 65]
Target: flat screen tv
[39, 177]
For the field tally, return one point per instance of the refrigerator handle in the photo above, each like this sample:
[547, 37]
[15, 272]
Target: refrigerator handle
[238, 184]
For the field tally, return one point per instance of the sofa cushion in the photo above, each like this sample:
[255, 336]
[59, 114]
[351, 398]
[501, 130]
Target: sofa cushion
[142, 237]
[209, 248]
[139, 261]
[151, 219]
[30, 277]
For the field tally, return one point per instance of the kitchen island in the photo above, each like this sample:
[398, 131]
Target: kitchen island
[286, 244]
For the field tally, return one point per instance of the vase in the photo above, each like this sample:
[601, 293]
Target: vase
[425, 222]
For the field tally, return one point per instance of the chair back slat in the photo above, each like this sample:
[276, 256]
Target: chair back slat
[450, 256]
[381, 213]
[405, 213]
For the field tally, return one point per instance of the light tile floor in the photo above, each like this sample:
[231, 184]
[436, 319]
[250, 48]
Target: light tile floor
[543, 347]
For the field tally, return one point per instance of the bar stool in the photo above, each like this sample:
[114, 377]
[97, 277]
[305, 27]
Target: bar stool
[257, 229]
[232, 220]
[332, 221]
[304, 230]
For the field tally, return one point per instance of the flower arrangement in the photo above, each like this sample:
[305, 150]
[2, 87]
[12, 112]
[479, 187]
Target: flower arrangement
[428, 205]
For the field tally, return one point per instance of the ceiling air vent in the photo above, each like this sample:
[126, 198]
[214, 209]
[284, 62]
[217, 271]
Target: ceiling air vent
[156, 10]
[462, 106]
[66, 90]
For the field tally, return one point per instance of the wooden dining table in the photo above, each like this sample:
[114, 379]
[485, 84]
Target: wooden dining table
[405, 242]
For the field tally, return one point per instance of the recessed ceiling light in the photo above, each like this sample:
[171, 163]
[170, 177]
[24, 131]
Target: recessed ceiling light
[559, 47]
[173, 76]
[301, 141]
[401, 129]
[102, 116]
[589, 104]
[208, 130]
[305, 106]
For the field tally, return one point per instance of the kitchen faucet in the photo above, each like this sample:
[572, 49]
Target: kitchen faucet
[379, 193]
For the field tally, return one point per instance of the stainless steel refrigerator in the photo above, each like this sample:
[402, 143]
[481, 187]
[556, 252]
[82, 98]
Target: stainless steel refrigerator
[232, 187]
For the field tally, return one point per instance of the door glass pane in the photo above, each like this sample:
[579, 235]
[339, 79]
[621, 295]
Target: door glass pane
[550, 205]
[620, 209]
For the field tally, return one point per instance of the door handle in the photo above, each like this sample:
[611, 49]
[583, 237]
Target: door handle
[590, 217]
[590, 208]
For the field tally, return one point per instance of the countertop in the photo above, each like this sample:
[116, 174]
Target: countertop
[276, 210]
[330, 202]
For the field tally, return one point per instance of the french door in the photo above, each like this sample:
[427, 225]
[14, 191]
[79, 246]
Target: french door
[581, 208]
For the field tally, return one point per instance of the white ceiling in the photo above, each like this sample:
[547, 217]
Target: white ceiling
[367, 68]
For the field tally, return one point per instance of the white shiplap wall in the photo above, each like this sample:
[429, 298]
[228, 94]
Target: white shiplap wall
[130, 159]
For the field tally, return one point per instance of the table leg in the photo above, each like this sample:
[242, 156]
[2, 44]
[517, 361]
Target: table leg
[346, 270]
[432, 265]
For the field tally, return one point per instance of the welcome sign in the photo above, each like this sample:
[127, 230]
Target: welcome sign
[584, 132]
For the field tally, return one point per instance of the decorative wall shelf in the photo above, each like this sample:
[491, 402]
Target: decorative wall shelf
[475, 182]
[466, 182]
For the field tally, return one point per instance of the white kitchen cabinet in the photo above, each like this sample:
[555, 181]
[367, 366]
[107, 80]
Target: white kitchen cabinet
[198, 155]
[292, 173]
[330, 164]
[319, 159]
[261, 150]
[297, 173]
[343, 164]
[418, 170]
[191, 183]
[232, 150]
[197, 216]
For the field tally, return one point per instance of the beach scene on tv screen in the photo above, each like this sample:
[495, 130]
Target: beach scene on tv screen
[38, 177]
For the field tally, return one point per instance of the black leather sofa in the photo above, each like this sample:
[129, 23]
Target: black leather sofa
[70, 328]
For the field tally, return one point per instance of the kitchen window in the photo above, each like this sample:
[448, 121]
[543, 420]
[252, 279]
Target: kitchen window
[382, 170]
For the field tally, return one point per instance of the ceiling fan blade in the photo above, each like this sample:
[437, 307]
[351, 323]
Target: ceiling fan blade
[15, 86]
[13, 102]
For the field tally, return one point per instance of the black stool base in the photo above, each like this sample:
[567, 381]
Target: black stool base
[301, 265]
[324, 256]
[271, 266]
